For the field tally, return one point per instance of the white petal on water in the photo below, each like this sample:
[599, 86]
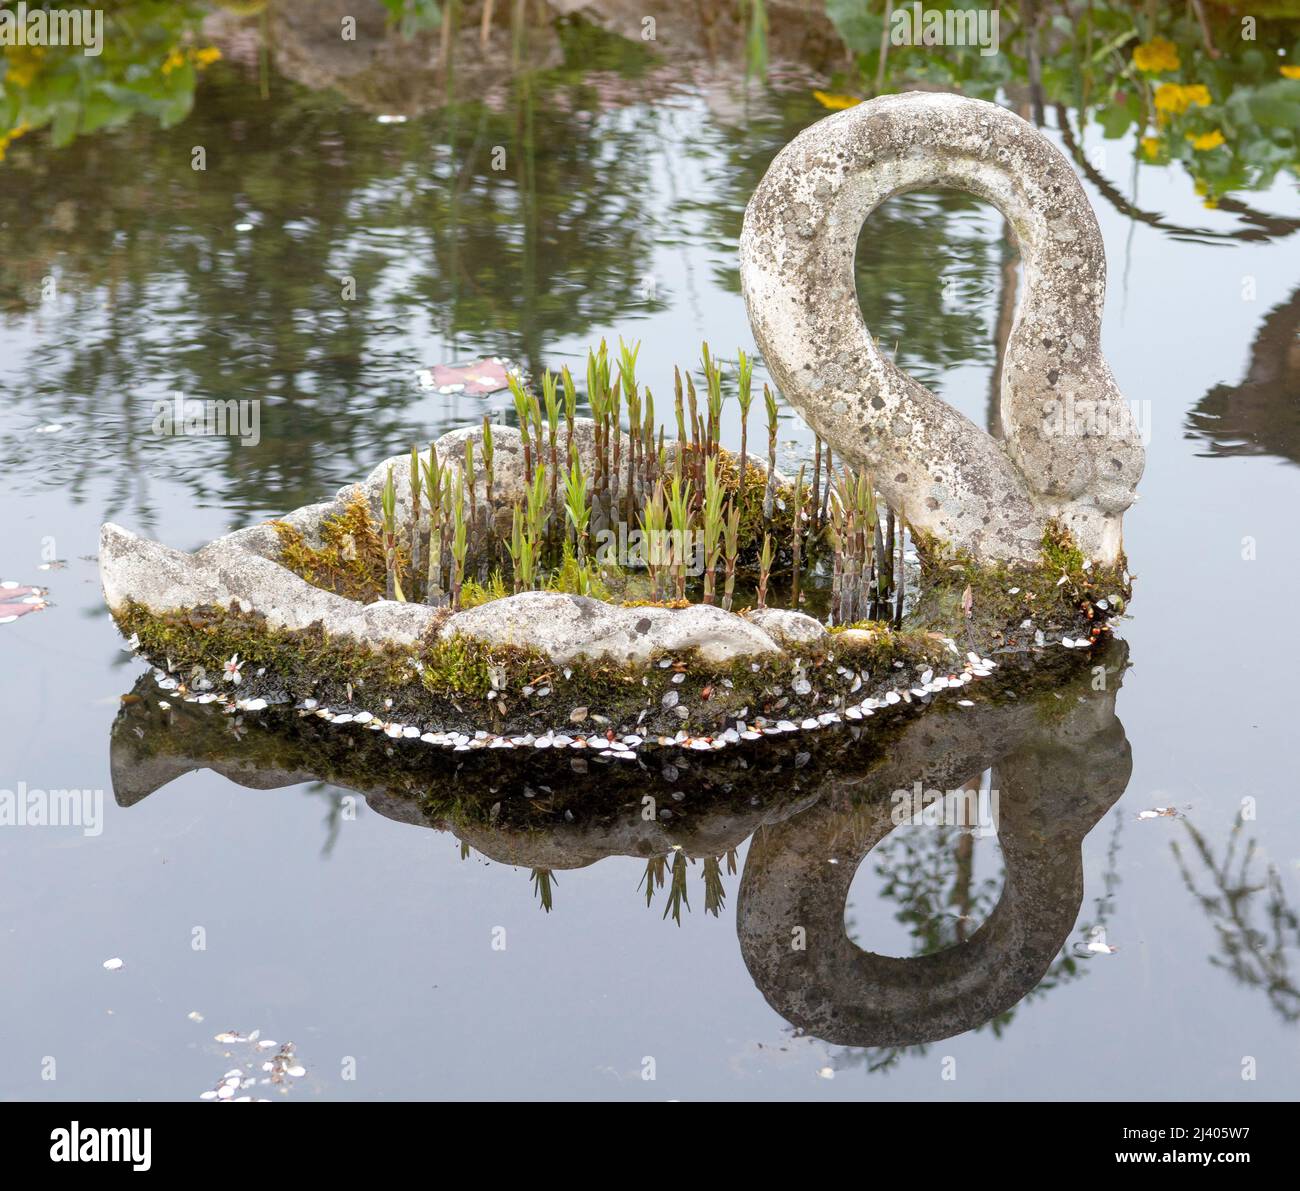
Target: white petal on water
[112, 965]
[194, 1015]
[296, 1071]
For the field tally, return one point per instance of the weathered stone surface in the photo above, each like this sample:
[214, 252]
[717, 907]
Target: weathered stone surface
[568, 627]
[797, 249]
[241, 567]
[163, 580]
[787, 627]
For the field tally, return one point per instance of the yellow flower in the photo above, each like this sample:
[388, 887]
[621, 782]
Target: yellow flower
[1151, 147]
[24, 63]
[1290, 72]
[1174, 99]
[174, 60]
[836, 102]
[12, 135]
[1156, 56]
[1206, 140]
[205, 57]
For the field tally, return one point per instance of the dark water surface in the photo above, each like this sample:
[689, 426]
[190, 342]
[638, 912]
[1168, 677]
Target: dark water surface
[368, 941]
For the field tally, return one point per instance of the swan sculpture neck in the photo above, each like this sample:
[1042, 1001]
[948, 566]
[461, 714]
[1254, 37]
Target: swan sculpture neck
[947, 476]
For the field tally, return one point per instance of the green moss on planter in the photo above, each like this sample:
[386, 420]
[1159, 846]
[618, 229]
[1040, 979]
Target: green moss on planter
[350, 560]
[973, 601]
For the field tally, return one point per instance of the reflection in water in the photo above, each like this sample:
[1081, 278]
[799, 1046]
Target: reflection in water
[1261, 415]
[1253, 951]
[1056, 776]
[811, 810]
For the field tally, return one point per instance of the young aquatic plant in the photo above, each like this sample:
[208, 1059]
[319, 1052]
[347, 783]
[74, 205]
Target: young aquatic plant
[713, 525]
[489, 452]
[577, 508]
[469, 484]
[654, 535]
[522, 557]
[598, 397]
[415, 521]
[796, 540]
[731, 550]
[632, 394]
[552, 404]
[713, 399]
[769, 492]
[432, 470]
[745, 382]
[679, 408]
[388, 499]
[570, 407]
[522, 404]
[537, 520]
[647, 449]
[854, 525]
[764, 570]
[459, 539]
[679, 505]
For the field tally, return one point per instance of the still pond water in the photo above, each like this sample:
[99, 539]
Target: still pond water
[374, 944]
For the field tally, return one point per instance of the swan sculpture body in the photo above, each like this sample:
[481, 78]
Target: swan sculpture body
[948, 476]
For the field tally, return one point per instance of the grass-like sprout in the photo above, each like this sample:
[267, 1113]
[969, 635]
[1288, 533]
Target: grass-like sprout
[489, 452]
[570, 407]
[679, 505]
[522, 408]
[459, 538]
[432, 469]
[769, 493]
[388, 499]
[713, 525]
[654, 532]
[415, 521]
[713, 397]
[731, 550]
[764, 569]
[745, 393]
[552, 404]
[577, 508]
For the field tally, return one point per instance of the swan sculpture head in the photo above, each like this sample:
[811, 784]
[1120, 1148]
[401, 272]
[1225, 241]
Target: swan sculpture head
[1071, 453]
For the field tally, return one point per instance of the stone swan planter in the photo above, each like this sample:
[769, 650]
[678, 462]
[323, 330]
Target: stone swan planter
[1072, 453]
[236, 622]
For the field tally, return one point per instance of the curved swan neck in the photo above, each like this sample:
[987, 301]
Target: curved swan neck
[797, 269]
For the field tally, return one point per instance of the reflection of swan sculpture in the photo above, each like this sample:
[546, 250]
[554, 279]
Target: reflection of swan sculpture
[948, 476]
[1054, 782]
[1061, 762]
